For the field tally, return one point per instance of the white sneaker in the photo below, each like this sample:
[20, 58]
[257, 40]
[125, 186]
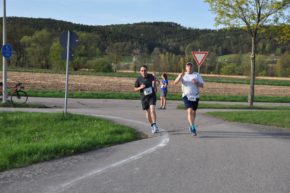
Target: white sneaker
[155, 129]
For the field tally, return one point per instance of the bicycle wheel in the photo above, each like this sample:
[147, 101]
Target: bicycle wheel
[19, 97]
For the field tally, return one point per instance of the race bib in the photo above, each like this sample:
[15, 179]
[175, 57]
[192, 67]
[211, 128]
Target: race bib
[191, 98]
[148, 91]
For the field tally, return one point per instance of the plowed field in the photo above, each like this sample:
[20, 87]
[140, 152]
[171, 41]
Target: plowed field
[43, 81]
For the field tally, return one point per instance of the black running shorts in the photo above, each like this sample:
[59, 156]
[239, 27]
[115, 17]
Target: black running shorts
[190, 104]
[147, 101]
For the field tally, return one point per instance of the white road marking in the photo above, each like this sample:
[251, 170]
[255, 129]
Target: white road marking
[164, 141]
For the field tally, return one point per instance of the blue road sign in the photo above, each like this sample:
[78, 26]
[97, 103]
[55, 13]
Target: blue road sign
[7, 51]
[64, 55]
[73, 40]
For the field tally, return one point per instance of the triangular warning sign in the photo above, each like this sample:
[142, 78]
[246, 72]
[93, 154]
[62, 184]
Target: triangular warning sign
[199, 57]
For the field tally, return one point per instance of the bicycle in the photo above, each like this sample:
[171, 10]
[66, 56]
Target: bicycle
[16, 93]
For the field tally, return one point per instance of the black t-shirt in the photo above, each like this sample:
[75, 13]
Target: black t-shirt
[147, 81]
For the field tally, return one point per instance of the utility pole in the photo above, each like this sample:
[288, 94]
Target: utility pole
[4, 70]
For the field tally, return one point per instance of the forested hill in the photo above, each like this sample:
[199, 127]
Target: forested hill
[59, 25]
[146, 34]
[165, 45]
[168, 36]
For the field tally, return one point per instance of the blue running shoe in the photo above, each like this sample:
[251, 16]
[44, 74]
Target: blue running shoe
[193, 130]
[189, 129]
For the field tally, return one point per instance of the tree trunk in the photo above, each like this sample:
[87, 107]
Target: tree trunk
[253, 72]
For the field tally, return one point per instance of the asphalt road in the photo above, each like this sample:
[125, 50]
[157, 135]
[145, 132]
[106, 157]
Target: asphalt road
[224, 158]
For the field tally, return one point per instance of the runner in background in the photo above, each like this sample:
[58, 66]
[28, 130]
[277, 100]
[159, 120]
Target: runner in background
[163, 91]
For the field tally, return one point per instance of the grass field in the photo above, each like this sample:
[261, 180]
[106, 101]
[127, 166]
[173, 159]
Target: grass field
[27, 138]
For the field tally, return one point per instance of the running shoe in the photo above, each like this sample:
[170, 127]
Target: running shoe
[193, 130]
[189, 129]
[155, 129]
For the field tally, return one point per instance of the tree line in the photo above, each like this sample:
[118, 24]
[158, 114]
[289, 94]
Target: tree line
[165, 46]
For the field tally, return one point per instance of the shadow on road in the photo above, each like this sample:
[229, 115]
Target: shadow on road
[233, 134]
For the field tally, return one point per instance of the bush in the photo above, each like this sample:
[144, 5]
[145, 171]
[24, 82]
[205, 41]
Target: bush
[101, 65]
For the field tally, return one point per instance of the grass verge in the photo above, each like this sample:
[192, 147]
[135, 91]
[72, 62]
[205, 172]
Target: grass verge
[35, 137]
[170, 96]
[279, 118]
[235, 106]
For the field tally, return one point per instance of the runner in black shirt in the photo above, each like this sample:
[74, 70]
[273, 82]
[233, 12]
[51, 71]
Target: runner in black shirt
[146, 85]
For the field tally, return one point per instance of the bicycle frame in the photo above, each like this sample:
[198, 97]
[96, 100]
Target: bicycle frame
[16, 94]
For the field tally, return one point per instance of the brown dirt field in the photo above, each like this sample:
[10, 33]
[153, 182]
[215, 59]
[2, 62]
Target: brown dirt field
[43, 81]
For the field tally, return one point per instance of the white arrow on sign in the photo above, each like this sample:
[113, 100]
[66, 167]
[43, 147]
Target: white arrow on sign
[199, 57]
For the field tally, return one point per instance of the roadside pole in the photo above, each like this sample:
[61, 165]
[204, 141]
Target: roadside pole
[68, 40]
[66, 73]
[4, 68]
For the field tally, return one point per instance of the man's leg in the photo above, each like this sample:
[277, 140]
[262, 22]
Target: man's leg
[190, 116]
[191, 119]
[148, 115]
[154, 126]
[153, 113]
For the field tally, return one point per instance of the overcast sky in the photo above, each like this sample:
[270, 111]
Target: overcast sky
[188, 13]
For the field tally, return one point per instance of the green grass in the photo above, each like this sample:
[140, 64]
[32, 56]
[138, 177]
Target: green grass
[270, 118]
[136, 95]
[240, 98]
[35, 137]
[86, 95]
[236, 106]
[220, 79]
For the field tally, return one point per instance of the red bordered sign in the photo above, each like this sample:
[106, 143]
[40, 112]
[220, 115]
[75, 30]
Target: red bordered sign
[199, 57]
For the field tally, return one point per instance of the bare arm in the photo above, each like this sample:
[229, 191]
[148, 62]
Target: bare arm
[200, 82]
[156, 81]
[139, 88]
[200, 85]
[178, 78]
[155, 87]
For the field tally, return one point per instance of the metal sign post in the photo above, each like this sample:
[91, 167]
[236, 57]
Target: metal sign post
[67, 40]
[66, 73]
[4, 68]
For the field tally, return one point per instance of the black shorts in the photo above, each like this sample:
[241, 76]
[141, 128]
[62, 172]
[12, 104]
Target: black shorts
[147, 101]
[190, 104]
